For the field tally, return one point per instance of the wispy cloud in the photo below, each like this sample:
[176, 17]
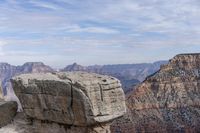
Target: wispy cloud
[93, 30]
[43, 4]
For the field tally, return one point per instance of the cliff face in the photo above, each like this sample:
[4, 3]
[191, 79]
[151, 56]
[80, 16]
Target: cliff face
[73, 102]
[167, 101]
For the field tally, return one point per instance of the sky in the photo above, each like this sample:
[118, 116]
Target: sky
[60, 32]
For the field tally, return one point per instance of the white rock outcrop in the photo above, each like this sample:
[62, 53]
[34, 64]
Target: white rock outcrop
[78, 101]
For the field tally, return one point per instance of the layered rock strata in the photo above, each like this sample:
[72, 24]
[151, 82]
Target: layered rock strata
[167, 101]
[70, 102]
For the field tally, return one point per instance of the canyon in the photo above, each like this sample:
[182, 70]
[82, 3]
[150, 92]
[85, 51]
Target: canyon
[76, 101]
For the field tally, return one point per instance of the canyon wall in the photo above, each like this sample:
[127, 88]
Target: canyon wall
[167, 101]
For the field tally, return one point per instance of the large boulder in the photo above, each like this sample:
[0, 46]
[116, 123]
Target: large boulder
[73, 98]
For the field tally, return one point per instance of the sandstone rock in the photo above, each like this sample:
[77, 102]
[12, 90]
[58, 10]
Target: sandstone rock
[7, 112]
[72, 99]
[167, 101]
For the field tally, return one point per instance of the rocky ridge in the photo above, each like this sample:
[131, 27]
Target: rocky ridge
[167, 101]
[69, 102]
[129, 74]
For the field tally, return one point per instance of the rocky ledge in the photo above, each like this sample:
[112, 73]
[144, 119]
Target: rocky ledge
[75, 102]
[167, 101]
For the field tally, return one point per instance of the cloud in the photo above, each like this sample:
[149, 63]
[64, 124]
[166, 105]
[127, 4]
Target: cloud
[93, 30]
[43, 4]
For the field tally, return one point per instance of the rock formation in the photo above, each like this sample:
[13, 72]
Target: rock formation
[167, 101]
[73, 102]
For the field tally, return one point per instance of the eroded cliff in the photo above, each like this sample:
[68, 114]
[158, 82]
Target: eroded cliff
[167, 101]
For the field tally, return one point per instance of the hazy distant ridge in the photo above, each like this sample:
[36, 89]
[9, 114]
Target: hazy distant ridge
[128, 74]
